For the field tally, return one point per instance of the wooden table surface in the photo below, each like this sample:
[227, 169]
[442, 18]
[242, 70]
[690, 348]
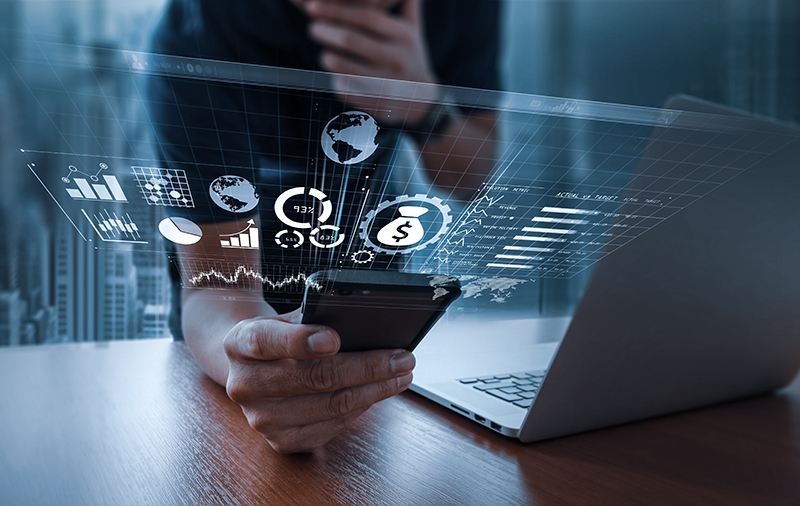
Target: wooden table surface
[137, 422]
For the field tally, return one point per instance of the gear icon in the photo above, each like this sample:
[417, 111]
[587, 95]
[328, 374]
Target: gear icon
[436, 202]
[363, 256]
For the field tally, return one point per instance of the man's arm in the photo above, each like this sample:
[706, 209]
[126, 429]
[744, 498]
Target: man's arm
[290, 381]
[206, 316]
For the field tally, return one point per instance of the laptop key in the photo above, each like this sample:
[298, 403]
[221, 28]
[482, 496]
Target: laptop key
[503, 376]
[493, 386]
[520, 375]
[486, 378]
[504, 396]
[491, 381]
[468, 381]
[521, 382]
[511, 390]
[528, 388]
[524, 403]
[527, 395]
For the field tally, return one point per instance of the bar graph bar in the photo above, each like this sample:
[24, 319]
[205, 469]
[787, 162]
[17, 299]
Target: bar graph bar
[116, 189]
[528, 248]
[511, 266]
[549, 230]
[85, 188]
[565, 210]
[565, 221]
[542, 239]
[518, 257]
[102, 192]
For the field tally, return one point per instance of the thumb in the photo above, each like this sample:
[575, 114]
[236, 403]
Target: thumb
[273, 338]
[411, 11]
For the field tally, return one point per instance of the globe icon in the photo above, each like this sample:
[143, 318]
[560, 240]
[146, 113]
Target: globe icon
[234, 193]
[350, 137]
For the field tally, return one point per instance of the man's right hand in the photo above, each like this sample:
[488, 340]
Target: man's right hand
[296, 390]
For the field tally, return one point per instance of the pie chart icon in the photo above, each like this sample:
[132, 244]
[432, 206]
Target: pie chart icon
[180, 230]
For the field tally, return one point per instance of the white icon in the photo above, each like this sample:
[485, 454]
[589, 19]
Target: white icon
[350, 137]
[136, 64]
[314, 237]
[94, 191]
[115, 228]
[280, 204]
[363, 256]
[180, 231]
[190, 67]
[405, 230]
[164, 187]
[234, 193]
[284, 239]
[406, 233]
[244, 239]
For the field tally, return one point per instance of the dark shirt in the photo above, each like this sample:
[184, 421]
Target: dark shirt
[270, 135]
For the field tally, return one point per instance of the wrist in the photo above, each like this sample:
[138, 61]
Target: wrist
[434, 125]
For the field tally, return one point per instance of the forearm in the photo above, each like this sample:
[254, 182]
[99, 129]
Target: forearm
[207, 320]
[463, 157]
[207, 315]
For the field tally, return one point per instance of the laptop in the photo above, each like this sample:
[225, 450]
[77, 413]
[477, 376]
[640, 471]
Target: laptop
[700, 309]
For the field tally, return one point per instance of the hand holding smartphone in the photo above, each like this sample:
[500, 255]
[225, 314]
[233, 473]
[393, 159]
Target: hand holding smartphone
[377, 309]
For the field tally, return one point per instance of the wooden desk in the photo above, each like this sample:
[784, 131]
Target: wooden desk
[139, 423]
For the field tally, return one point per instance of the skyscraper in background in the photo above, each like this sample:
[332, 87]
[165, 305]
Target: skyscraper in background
[55, 286]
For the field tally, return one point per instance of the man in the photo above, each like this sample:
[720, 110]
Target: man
[292, 384]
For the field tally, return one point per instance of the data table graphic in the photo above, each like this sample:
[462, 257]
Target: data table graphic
[164, 187]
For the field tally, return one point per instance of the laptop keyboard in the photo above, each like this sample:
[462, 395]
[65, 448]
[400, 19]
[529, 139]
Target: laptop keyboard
[519, 388]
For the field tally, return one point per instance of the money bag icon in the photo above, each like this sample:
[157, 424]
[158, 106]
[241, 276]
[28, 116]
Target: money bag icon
[405, 230]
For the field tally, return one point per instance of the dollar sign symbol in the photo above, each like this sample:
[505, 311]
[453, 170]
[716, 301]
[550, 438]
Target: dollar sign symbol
[400, 230]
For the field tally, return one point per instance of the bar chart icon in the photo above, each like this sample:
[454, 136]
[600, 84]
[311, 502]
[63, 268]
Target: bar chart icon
[94, 190]
[244, 239]
[112, 227]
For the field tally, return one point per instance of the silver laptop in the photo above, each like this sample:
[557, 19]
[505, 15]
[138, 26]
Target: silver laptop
[698, 305]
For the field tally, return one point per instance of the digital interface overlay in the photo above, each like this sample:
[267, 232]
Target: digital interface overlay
[566, 191]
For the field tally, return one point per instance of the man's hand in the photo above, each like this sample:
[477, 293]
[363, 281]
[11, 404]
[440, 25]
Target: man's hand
[364, 39]
[296, 390]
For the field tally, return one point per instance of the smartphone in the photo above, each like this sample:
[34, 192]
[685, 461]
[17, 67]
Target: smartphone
[377, 309]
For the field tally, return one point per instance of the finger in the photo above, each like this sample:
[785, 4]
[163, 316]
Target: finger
[274, 338]
[307, 439]
[283, 379]
[274, 417]
[362, 17]
[411, 11]
[349, 40]
[333, 62]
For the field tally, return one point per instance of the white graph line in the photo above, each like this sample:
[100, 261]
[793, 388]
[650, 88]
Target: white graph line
[244, 271]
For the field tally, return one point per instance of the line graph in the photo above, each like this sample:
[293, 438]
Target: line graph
[223, 275]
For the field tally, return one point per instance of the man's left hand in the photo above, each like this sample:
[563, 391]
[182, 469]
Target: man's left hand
[364, 39]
